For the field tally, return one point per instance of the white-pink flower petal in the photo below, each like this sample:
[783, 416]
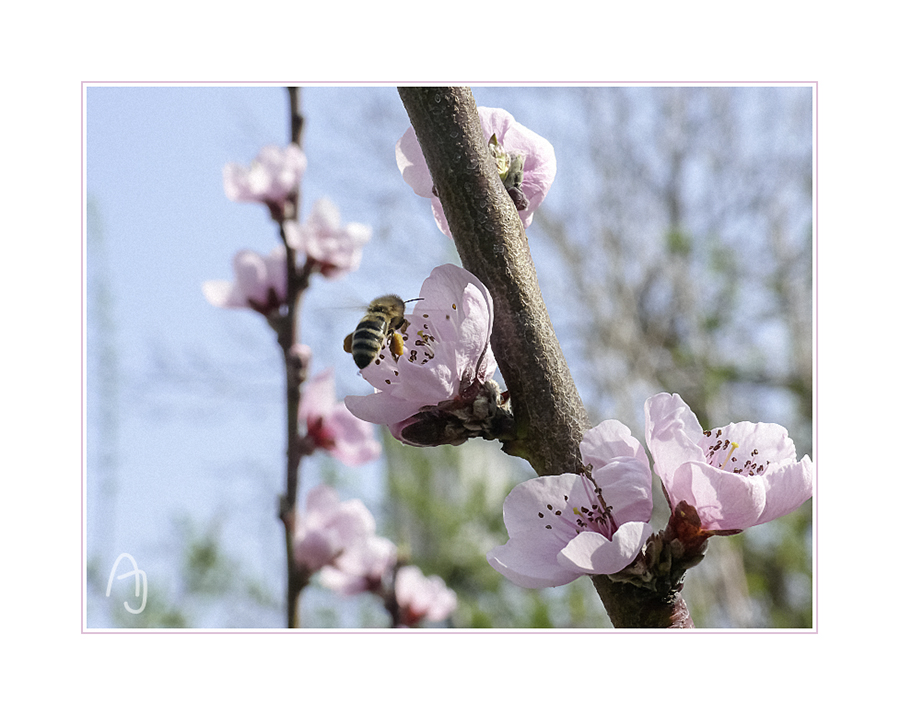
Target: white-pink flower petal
[328, 527]
[420, 597]
[593, 553]
[260, 282]
[272, 176]
[331, 426]
[539, 168]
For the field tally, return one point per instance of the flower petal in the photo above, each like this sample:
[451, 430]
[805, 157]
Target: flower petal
[219, 292]
[411, 162]
[530, 564]
[592, 553]
[536, 536]
[621, 470]
[354, 442]
[673, 434]
[724, 500]
[786, 489]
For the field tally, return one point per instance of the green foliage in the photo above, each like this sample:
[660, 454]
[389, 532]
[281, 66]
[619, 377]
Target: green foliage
[678, 242]
[779, 569]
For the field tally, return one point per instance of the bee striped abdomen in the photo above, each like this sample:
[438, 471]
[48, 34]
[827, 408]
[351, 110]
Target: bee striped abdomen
[368, 339]
[381, 322]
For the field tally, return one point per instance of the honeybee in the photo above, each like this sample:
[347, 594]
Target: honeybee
[383, 321]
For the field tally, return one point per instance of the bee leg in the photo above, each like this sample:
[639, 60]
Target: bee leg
[396, 345]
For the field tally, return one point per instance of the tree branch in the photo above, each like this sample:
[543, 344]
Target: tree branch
[288, 336]
[491, 242]
[490, 238]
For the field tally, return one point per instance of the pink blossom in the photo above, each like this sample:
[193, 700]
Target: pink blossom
[336, 249]
[563, 526]
[328, 528]
[260, 283]
[526, 162]
[422, 598]
[273, 178]
[447, 355]
[736, 476]
[362, 567]
[331, 427]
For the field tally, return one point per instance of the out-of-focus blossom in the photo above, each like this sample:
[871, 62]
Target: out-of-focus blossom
[422, 598]
[563, 526]
[330, 426]
[336, 249]
[362, 567]
[328, 528]
[525, 161]
[273, 179]
[260, 283]
[736, 476]
[447, 359]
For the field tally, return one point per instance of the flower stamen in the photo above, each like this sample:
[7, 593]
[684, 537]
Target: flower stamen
[734, 446]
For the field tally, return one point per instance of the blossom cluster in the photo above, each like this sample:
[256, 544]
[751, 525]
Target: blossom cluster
[338, 540]
[733, 477]
[596, 522]
[322, 244]
[261, 284]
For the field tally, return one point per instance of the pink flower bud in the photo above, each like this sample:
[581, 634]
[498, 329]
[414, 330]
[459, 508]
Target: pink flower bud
[422, 598]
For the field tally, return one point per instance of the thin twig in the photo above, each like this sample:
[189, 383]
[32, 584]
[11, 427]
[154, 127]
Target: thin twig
[288, 337]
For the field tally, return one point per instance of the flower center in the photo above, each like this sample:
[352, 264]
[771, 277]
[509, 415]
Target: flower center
[422, 349]
[594, 516]
[728, 455]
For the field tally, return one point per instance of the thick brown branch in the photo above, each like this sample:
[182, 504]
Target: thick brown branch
[492, 245]
[630, 607]
[550, 417]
